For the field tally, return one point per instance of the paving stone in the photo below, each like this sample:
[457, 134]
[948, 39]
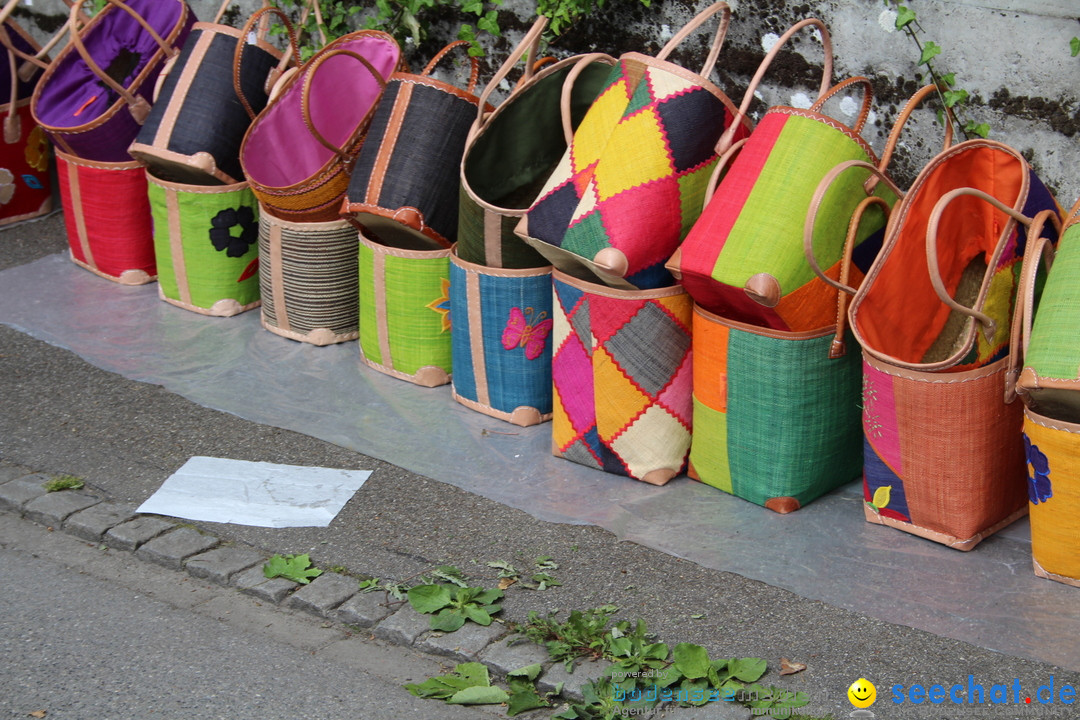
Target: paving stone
[172, 548]
[15, 494]
[220, 564]
[464, 644]
[322, 596]
[364, 609]
[513, 653]
[403, 627]
[11, 471]
[52, 509]
[133, 533]
[92, 523]
[253, 582]
[584, 672]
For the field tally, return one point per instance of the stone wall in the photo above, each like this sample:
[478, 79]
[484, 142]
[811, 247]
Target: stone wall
[1011, 55]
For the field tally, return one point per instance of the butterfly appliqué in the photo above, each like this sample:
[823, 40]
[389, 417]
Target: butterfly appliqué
[528, 332]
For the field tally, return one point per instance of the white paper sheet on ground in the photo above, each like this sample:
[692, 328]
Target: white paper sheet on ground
[255, 493]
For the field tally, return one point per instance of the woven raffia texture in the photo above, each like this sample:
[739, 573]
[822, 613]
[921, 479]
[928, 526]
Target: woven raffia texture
[502, 339]
[946, 445]
[309, 279]
[83, 115]
[107, 218]
[774, 417]
[1053, 483]
[508, 161]
[412, 159]
[622, 374]
[1051, 376]
[754, 223]
[198, 110]
[634, 177]
[206, 239]
[405, 311]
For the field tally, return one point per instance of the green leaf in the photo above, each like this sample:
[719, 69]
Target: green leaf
[952, 99]
[473, 672]
[292, 567]
[448, 620]
[524, 698]
[529, 672]
[431, 688]
[1074, 45]
[691, 660]
[948, 79]
[477, 615]
[479, 695]
[490, 23]
[930, 51]
[982, 129]
[748, 669]
[488, 596]
[476, 7]
[429, 598]
[904, 17]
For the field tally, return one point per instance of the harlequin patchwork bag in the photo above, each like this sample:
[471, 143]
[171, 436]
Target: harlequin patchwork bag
[83, 108]
[308, 279]
[1048, 385]
[206, 244]
[25, 179]
[107, 218]
[405, 312]
[299, 151]
[206, 99]
[502, 340]
[511, 152]
[405, 187]
[743, 259]
[633, 180]
[943, 457]
[622, 372]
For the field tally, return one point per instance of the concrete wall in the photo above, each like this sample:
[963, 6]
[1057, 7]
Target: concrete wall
[1011, 55]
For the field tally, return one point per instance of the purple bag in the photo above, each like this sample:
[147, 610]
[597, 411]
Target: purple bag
[95, 97]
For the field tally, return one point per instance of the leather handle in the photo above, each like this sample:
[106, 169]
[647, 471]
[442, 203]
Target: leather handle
[718, 40]
[474, 64]
[529, 43]
[1024, 310]
[305, 94]
[565, 100]
[868, 99]
[241, 42]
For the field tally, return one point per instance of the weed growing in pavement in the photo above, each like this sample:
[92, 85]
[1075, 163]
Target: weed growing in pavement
[541, 579]
[297, 568]
[63, 482]
[450, 607]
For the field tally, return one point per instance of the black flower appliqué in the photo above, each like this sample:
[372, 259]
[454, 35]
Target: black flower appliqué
[221, 234]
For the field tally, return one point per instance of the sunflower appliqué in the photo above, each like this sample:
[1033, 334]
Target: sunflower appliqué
[37, 149]
[223, 237]
[1039, 490]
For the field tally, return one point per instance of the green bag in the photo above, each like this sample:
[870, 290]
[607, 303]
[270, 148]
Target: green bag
[206, 239]
[405, 312]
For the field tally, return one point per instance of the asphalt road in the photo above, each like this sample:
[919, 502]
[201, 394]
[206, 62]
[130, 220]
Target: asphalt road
[58, 414]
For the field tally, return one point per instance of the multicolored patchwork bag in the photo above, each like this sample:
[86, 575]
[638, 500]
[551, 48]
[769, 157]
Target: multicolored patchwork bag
[308, 279]
[502, 340]
[622, 372]
[207, 97]
[405, 186]
[83, 108]
[743, 259]
[206, 240]
[405, 312]
[943, 456]
[511, 152]
[299, 151]
[107, 218]
[1048, 385]
[632, 182]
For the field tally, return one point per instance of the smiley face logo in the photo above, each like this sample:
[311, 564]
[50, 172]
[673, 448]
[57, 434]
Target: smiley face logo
[862, 693]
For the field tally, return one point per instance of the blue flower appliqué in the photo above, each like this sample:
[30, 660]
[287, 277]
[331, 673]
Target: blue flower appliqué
[1039, 489]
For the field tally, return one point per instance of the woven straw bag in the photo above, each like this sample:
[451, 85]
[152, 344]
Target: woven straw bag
[632, 181]
[405, 312]
[299, 152]
[501, 341]
[87, 113]
[942, 455]
[511, 152]
[206, 98]
[622, 371]
[405, 187]
[308, 278]
[107, 218]
[206, 243]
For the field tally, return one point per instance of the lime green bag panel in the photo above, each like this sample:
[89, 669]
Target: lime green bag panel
[405, 312]
[206, 239]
